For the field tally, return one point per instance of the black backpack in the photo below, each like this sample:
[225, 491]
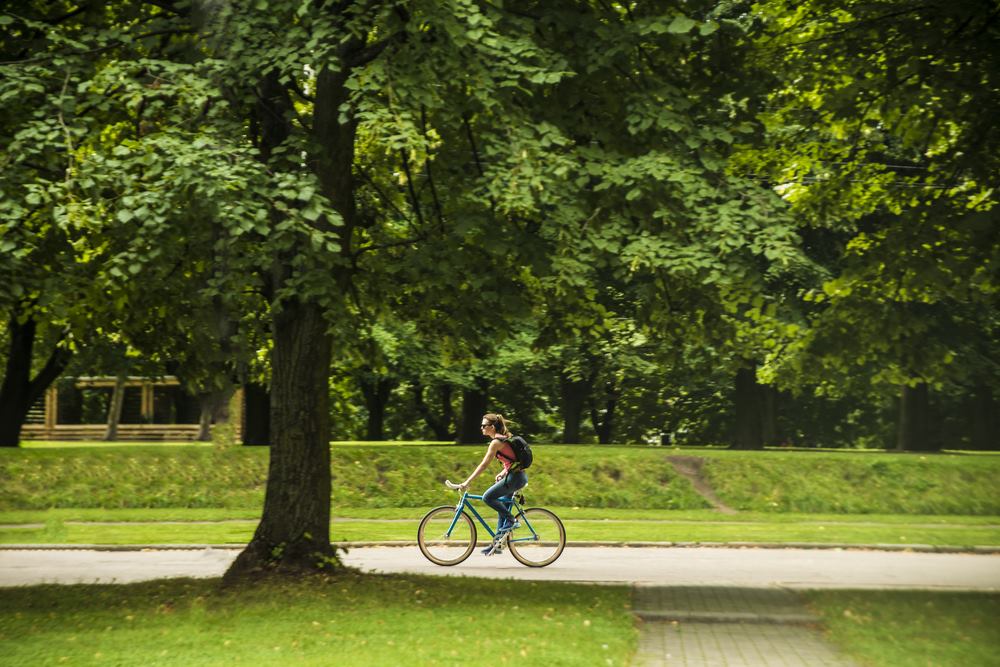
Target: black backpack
[522, 450]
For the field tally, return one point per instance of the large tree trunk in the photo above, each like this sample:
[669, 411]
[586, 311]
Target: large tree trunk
[294, 530]
[574, 394]
[604, 424]
[475, 402]
[376, 392]
[769, 415]
[19, 390]
[913, 434]
[214, 410]
[747, 433]
[984, 425]
[441, 426]
[257, 415]
[115, 410]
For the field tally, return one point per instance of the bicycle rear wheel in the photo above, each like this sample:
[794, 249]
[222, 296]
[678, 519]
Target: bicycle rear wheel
[443, 544]
[540, 540]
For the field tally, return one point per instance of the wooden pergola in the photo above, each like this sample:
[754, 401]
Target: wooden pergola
[43, 420]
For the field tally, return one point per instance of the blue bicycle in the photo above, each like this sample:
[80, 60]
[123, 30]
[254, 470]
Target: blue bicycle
[447, 535]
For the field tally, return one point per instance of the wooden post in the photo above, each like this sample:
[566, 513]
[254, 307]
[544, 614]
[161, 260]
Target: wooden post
[51, 411]
[147, 402]
[236, 413]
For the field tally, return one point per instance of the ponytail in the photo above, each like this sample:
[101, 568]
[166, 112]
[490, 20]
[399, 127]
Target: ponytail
[498, 422]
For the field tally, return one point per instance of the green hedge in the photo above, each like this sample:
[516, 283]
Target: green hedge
[585, 476]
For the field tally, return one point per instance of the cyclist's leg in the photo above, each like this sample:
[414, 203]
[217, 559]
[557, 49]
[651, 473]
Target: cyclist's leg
[492, 498]
[505, 487]
[515, 482]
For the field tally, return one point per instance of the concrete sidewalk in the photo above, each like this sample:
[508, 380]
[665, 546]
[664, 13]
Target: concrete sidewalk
[739, 568]
[732, 627]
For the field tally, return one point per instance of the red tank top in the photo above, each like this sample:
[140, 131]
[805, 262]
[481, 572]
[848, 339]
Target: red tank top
[505, 455]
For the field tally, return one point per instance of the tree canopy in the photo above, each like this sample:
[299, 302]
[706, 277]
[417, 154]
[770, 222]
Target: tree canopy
[713, 220]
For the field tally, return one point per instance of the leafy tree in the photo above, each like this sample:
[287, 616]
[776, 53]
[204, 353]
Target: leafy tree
[880, 132]
[50, 55]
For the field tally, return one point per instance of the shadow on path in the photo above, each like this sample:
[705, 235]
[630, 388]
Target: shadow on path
[714, 625]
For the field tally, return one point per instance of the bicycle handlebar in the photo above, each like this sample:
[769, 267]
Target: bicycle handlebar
[451, 485]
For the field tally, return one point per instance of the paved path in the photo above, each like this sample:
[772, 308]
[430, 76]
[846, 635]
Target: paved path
[697, 607]
[786, 568]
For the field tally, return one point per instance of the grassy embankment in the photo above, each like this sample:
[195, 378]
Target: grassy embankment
[124, 494]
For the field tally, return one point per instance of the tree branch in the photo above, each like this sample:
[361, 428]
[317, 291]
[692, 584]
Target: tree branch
[409, 185]
[382, 195]
[100, 49]
[427, 168]
[475, 156]
[391, 244]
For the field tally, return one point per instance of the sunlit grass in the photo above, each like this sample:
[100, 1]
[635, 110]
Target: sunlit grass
[123, 527]
[566, 513]
[347, 620]
[912, 628]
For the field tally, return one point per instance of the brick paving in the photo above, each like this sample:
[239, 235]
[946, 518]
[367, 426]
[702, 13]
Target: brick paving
[688, 626]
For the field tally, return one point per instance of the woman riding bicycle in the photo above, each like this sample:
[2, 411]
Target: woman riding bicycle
[508, 481]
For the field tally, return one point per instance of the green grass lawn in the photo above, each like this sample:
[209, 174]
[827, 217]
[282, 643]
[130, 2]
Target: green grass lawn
[205, 526]
[912, 628]
[345, 620]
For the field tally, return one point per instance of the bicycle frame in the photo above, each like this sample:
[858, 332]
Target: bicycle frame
[515, 509]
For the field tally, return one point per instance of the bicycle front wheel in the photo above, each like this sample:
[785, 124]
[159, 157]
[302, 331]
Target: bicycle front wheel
[445, 539]
[540, 540]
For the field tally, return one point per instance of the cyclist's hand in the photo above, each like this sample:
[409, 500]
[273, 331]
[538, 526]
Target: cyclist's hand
[463, 487]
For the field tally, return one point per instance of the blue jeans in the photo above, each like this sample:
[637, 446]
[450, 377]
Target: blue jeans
[505, 487]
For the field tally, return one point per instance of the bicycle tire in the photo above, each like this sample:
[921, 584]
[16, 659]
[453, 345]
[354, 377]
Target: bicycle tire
[441, 549]
[540, 540]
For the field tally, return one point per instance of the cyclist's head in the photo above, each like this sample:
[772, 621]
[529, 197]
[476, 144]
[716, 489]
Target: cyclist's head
[497, 421]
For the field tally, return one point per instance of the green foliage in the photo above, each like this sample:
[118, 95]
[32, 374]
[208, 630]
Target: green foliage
[642, 198]
[879, 131]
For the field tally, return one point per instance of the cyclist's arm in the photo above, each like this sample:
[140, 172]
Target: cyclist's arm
[490, 455]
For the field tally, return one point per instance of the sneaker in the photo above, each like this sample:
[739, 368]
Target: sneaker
[507, 528]
[495, 548]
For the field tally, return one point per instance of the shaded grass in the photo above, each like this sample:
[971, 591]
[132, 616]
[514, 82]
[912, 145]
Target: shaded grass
[912, 628]
[385, 476]
[353, 620]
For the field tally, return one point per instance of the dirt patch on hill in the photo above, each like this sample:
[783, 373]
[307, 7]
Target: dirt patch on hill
[690, 467]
